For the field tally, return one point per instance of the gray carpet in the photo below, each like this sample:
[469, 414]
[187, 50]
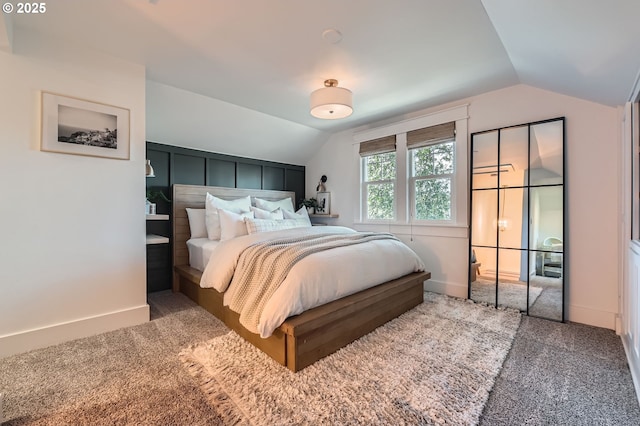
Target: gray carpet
[549, 304]
[130, 376]
[511, 295]
[433, 365]
[555, 373]
[563, 374]
[545, 299]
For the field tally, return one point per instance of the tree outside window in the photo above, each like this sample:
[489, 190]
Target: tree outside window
[433, 167]
[379, 185]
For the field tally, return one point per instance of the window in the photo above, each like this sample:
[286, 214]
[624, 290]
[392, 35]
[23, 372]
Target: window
[417, 175]
[379, 179]
[432, 161]
[432, 170]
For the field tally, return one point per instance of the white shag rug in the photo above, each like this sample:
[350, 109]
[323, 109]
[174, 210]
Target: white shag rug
[436, 364]
[510, 294]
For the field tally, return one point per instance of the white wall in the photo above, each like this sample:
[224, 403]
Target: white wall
[592, 269]
[182, 118]
[72, 257]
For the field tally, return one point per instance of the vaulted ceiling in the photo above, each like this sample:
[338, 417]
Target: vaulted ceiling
[396, 56]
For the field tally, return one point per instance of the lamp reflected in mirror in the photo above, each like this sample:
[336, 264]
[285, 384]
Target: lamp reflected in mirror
[503, 223]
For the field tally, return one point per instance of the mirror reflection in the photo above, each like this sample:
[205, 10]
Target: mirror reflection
[547, 153]
[485, 153]
[512, 282]
[517, 218]
[483, 278]
[485, 208]
[514, 156]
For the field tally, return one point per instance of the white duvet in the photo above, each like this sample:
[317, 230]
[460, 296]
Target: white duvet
[317, 279]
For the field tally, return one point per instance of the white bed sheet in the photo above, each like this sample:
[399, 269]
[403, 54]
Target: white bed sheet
[319, 278]
[200, 250]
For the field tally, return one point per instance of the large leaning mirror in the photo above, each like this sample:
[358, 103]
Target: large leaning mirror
[517, 203]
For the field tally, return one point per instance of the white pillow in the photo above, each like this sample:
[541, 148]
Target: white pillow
[197, 223]
[284, 204]
[301, 214]
[264, 225]
[232, 224]
[212, 204]
[266, 214]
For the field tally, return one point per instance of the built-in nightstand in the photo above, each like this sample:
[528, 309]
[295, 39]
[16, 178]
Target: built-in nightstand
[154, 238]
[314, 218]
[158, 253]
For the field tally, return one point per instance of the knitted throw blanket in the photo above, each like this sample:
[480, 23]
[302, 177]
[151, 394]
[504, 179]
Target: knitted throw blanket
[263, 266]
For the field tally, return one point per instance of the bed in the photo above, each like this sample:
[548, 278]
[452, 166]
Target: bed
[304, 338]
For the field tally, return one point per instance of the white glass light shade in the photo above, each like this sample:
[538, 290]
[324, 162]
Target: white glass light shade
[331, 103]
[149, 170]
[503, 224]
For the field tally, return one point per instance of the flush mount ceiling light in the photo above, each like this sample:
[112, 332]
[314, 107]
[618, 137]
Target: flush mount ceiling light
[331, 102]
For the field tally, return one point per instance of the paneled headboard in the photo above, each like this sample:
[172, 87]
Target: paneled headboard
[193, 196]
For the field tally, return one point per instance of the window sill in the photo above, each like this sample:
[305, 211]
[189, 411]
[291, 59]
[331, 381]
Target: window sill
[431, 230]
[415, 224]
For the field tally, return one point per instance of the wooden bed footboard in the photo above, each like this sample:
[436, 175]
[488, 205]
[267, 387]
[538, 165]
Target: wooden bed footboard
[303, 339]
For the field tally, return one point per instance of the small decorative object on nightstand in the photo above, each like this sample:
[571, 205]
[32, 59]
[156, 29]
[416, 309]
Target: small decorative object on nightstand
[324, 203]
[321, 187]
[310, 204]
[149, 208]
[323, 197]
[152, 195]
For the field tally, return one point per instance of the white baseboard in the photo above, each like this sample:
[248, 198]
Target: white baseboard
[24, 341]
[506, 275]
[634, 364]
[589, 316]
[450, 289]
[575, 313]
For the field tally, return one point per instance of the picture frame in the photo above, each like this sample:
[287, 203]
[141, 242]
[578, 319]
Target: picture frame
[81, 127]
[324, 203]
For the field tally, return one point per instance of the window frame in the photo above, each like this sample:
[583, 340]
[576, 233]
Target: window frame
[364, 185]
[412, 178]
[457, 226]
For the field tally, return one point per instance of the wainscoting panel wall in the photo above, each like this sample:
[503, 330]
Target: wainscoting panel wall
[188, 169]
[294, 181]
[272, 178]
[248, 176]
[222, 173]
[177, 165]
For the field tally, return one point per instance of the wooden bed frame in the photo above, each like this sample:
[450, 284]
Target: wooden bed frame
[302, 339]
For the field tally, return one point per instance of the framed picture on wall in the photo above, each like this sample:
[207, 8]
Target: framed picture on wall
[81, 127]
[324, 203]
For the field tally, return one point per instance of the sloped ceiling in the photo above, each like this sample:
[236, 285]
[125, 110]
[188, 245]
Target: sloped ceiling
[396, 56]
[586, 49]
